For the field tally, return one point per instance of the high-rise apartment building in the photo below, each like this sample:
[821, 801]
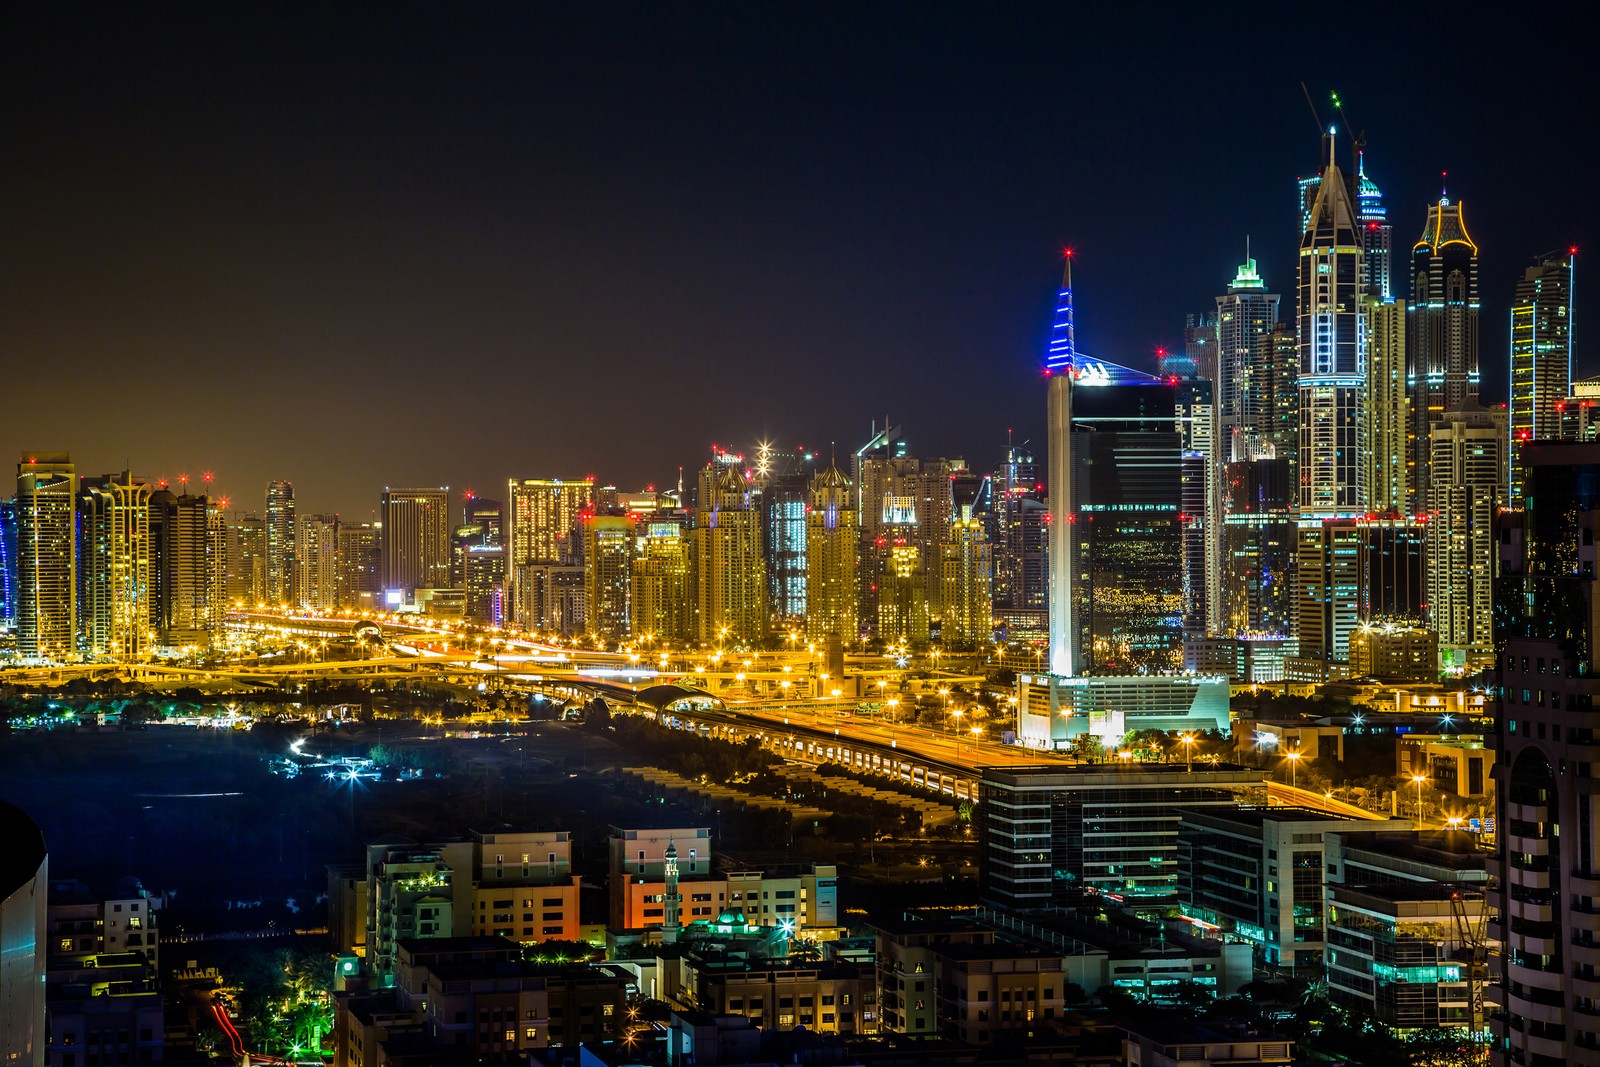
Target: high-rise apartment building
[8, 563]
[607, 573]
[359, 584]
[1394, 584]
[247, 559]
[1246, 314]
[662, 595]
[114, 567]
[730, 573]
[415, 551]
[902, 591]
[1541, 357]
[47, 558]
[1377, 236]
[1259, 545]
[1441, 331]
[1388, 430]
[1328, 587]
[1462, 502]
[1332, 334]
[1546, 864]
[1200, 501]
[542, 531]
[317, 576]
[783, 480]
[1020, 536]
[280, 554]
[185, 612]
[478, 567]
[832, 559]
[966, 566]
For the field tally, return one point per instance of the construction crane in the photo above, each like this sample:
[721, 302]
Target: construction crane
[1473, 953]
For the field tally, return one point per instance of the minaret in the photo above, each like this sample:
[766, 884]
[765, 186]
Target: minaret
[671, 899]
[1059, 368]
[1333, 351]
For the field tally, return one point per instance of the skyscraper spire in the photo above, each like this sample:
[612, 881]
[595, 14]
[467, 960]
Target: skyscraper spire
[1062, 353]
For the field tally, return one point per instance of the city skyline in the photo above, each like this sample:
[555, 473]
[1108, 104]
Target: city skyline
[335, 225]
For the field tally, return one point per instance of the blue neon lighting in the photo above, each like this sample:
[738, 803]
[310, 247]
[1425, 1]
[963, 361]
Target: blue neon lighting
[1061, 354]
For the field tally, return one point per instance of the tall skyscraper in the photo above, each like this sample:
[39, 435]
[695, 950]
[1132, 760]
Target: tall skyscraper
[280, 555]
[1377, 236]
[115, 524]
[1441, 331]
[47, 558]
[730, 575]
[902, 591]
[966, 600]
[1020, 535]
[1548, 677]
[247, 559]
[783, 489]
[488, 514]
[1541, 356]
[1462, 501]
[415, 551]
[181, 559]
[541, 531]
[1060, 365]
[317, 576]
[1387, 409]
[1200, 506]
[832, 559]
[1246, 314]
[1332, 336]
[607, 571]
[1259, 545]
[1328, 588]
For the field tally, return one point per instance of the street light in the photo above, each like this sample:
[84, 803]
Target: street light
[1419, 779]
[1294, 764]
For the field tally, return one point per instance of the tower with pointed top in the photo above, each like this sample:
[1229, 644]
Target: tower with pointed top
[1441, 332]
[1332, 338]
[1377, 236]
[1246, 314]
[1059, 366]
[832, 558]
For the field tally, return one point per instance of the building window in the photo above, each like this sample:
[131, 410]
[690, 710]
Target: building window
[530, 1033]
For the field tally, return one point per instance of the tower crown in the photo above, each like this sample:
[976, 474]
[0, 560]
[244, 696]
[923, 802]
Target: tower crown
[1446, 226]
[1062, 354]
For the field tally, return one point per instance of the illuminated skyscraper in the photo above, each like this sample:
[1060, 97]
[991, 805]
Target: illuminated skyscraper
[247, 559]
[415, 551]
[1060, 364]
[1462, 502]
[317, 576]
[832, 559]
[359, 588]
[1377, 236]
[902, 591]
[966, 600]
[607, 571]
[1328, 588]
[114, 559]
[1541, 357]
[1246, 314]
[783, 526]
[662, 597]
[1021, 567]
[1259, 545]
[1332, 337]
[280, 555]
[47, 558]
[730, 575]
[181, 608]
[8, 563]
[488, 514]
[1386, 410]
[541, 531]
[1200, 506]
[1441, 331]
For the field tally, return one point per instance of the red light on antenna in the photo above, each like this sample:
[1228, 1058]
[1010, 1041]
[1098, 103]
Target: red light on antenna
[1572, 250]
[1067, 252]
[207, 477]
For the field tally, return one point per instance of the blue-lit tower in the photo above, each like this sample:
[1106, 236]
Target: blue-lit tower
[1059, 366]
[8, 563]
[1377, 236]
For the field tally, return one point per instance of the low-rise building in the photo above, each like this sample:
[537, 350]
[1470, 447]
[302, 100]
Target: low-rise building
[103, 1008]
[1199, 1045]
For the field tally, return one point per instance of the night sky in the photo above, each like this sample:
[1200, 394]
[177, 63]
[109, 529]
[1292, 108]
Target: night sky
[456, 243]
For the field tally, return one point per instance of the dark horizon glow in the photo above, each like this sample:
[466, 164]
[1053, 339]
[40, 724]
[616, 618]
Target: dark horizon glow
[413, 246]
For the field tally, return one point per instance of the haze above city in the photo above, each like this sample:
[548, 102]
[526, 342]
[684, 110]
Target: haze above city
[413, 247]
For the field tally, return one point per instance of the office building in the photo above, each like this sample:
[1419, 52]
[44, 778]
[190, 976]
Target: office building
[1395, 652]
[24, 888]
[1332, 336]
[832, 558]
[482, 576]
[1394, 577]
[783, 479]
[489, 515]
[1257, 874]
[360, 588]
[1406, 930]
[47, 557]
[1328, 575]
[1387, 410]
[1200, 505]
[1020, 536]
[1462, 502]
[1547, 848]
[1441, 332]
[1048, 835]
[1541, 357]
[902, 588]
[1246, 315]
[966, 565]
[607, 572]
[730, 573]
[1259, 536]
[662, 590]
[280, 548]
[317, 576]
[415, 552]
[184, 608]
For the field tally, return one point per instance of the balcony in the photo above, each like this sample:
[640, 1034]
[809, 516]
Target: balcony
[1583, 884]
